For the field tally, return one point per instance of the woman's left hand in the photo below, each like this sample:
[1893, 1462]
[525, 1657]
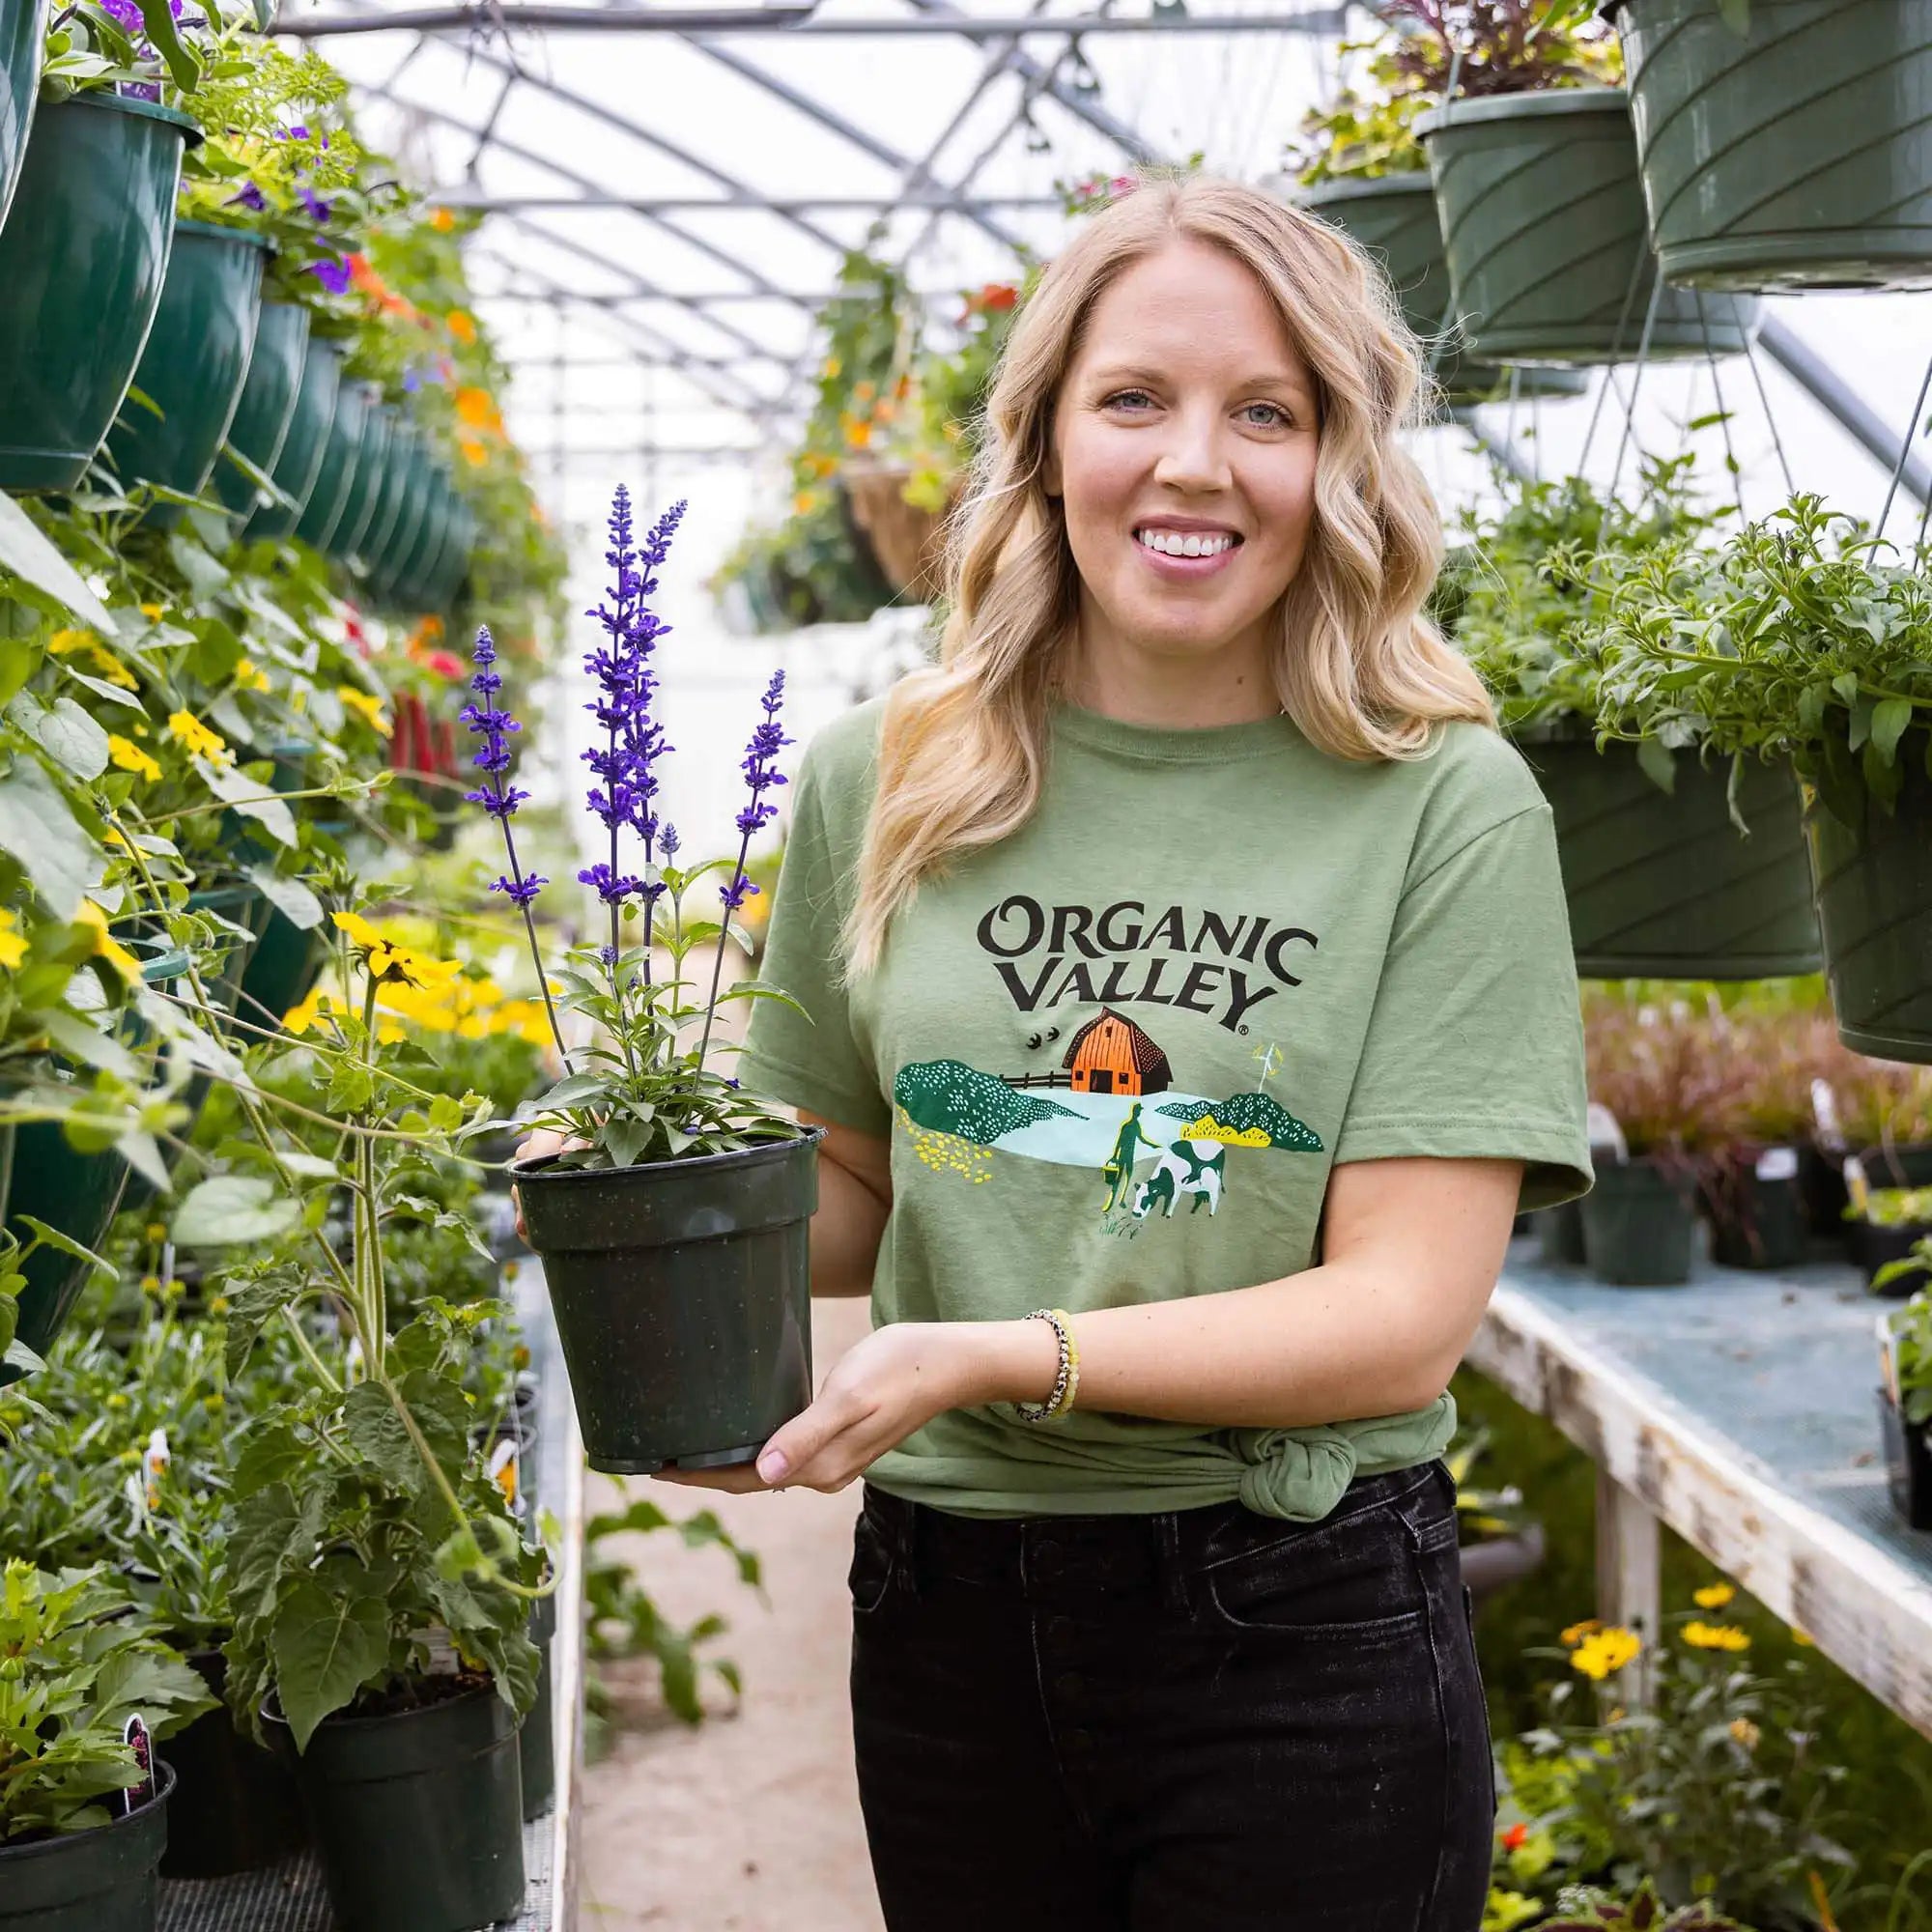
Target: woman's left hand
[891, 1383]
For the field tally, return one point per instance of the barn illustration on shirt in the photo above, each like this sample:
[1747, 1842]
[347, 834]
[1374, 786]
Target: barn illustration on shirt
[1115, 1109]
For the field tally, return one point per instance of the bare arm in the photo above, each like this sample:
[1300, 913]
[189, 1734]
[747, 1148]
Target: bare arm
[1413, 1251]
[855, 1195]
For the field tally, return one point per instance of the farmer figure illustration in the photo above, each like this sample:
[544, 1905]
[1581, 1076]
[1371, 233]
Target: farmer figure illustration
[1118, 1171]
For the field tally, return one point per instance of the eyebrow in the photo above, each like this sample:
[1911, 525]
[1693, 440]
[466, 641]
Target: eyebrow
[1271, 378]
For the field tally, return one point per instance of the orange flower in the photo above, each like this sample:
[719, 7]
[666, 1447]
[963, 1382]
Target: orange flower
[885, 410]
[859, 435]
[818, 464]
[863, 392]
[803, 503]
[441, 220]
[474, 407]
[472, 452]
[1513, 1837]
[996, 297]
[462, 326]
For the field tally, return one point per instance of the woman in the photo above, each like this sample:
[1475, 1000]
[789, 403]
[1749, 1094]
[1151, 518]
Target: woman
[1195, 869]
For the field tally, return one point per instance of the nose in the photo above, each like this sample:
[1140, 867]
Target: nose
[1193, 456]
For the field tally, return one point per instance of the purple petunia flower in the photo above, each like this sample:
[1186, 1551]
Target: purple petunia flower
[250, 197]
[123, 12]
[319, 209]
[334, 276]
[296, 133]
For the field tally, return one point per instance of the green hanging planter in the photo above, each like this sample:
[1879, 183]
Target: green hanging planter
[299, 468]
[409, 465]
[391, 493]
[366, 485]
[1394, 219]
[1544, 227]
[266, 408]
[335, 476]
[1794, 155]
[1874, 890]
[1661, 885]
[413, 574]
[194, 365]
[82, 259]
[454, 566]
[22, 37]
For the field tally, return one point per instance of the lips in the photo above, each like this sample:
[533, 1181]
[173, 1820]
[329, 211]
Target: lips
[1164, 540]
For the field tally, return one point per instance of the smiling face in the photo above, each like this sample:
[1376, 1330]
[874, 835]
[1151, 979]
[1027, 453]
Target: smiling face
[1183, 455]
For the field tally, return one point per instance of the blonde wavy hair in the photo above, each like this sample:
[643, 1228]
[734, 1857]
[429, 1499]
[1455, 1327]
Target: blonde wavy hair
[1357, 665]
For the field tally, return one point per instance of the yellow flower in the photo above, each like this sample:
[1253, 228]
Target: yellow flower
[1803, 1637]
[1605, 1651]
[356, 928]
[118, 958]
[366, 706]
[462, 326]
[111, 668]
[1715, 1637]
[820, 464]
[131, 757]
[63, 641]
[1713, 1596]
[312, 1011]
[390, 962]
[248, 677]
[1745, 1732]
[200, 741]
[12, 947]
[833, 365]
[1576, 1633]
[154, 612]
[441, 220]
[805, 502]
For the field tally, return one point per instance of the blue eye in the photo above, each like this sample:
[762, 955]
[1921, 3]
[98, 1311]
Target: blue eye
[1120, 396]
[1279, 413]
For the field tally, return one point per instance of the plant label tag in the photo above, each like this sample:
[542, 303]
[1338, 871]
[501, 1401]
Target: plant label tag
[506, 1470]
[134, 1734]
[1825, 1111]
[1887, 1357]
[1856, 1184]
[1779, 1163]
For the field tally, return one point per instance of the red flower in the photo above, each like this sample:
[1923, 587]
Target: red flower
[996, 297]
[446, 664]
[1512, 1839]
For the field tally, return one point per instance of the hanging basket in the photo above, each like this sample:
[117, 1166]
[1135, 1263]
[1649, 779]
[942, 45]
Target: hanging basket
[266, 406]
[1544, 227]
[194, 365]
[1662, 885]
[1394, 219]
[1794, 155]
[1873, 883]
[907, 543]
[82, 259]
[22, 36]
[366, 481]
[339, 451]
[299, 468]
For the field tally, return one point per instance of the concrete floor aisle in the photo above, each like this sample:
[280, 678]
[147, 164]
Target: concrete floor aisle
[750, 1823]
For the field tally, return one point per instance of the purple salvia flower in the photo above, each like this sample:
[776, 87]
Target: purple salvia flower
[670, 839]
[489, 721]
[612, 888]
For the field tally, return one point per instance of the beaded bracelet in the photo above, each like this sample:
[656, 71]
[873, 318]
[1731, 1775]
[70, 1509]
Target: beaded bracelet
[1068, 1381]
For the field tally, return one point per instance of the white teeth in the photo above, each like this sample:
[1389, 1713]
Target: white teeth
[1175, 543]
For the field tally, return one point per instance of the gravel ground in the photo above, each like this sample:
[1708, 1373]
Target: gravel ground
[751, 1823]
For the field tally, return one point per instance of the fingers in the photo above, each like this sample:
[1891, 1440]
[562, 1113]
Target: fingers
[739, 1481]
[543, 1141]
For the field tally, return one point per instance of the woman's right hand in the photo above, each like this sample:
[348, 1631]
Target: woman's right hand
[542, 1143]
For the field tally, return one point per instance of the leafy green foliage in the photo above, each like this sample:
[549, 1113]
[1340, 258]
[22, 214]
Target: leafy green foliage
[76, 1661]
[1802, 637]
[1586, 1909]
[1911, 1332]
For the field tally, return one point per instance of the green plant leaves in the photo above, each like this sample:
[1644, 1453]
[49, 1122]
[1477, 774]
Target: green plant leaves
[228, 1210]
[38, 828]
[326, 1649]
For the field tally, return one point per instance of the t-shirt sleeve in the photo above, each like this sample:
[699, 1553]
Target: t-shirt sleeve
[817, 1064]
[1475, 1043]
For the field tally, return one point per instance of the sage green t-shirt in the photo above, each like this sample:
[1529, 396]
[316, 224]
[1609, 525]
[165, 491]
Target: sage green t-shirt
[1118, 1053]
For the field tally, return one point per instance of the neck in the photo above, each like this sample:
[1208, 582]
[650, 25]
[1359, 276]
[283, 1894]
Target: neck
[1229, 685]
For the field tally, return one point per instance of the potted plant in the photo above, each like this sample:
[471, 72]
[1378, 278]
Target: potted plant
[1888, 1226]
[78, 1662]
[673, 1231]
[1803, 638]
[1653, 1070]
[1659, 879]
[316, 472]
[1535, 172]
[1905, 1407]
[1777, 144]
[1358, 164]
[1751, 1184]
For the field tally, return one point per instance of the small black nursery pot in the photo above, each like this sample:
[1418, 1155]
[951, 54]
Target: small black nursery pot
[1871, 1247]
[1755, 1200]
[234, 1805]
[682, 1292]
[1908, 1462]
[98, 1881]
[1641, 1225]
[536, 1745]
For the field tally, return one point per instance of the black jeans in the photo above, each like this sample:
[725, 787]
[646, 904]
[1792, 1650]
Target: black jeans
[1204, 1721]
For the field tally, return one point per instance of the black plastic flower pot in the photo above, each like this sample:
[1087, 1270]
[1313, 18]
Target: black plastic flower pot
[234, 1805]
[340, 446]
[1560, 1232]
[1394, 218]
[98, 1881]
[536, 1742]
[1821, 1182]
[1757, 1208]
[1546, 235]
[1903, 1164]
[193, 366]
[301, 469]
[1872, 1247]
[1661, 884]
[1872, 881]
[1793, 153]
[266, 406]
[82, 259]
[682, 1294]
[419, 1815]
[1641, 1225]
[22, 36]
[1908, 1462]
